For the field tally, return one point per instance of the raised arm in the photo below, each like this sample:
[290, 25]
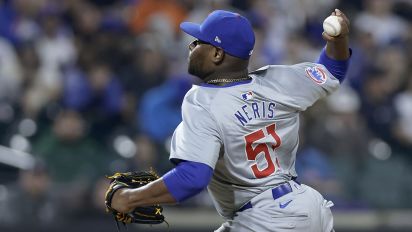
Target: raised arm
[335, 56]
[337, 47]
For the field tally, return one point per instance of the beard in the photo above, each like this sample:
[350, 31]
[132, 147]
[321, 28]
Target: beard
[195, 70]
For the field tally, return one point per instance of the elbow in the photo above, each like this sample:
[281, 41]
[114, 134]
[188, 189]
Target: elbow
[195, 177]
[187, 179]
[338, 68]
[199, 185]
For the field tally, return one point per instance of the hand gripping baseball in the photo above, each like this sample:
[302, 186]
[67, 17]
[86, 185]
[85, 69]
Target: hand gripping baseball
[344, 23]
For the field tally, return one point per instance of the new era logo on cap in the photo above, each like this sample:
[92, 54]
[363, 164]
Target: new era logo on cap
[227, 30]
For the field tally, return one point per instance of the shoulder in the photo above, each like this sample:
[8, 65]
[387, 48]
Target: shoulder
[265, 69]
[272, 69]
[305, 68]
[305, 65]
[198, 97]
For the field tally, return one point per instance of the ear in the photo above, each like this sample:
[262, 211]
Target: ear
[218, 55]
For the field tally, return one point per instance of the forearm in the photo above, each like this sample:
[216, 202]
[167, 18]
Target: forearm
[338, 49]
[185, 180]
[337, 68]
[155, 192]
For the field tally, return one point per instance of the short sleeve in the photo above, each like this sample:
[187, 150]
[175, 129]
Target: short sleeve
[197, 137]
[298, 86]
[316, 80]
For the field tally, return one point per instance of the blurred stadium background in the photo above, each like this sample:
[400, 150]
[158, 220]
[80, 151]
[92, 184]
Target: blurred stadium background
[89, 87]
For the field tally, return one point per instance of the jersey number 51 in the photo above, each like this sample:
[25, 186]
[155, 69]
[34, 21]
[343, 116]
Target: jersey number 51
[253, 151]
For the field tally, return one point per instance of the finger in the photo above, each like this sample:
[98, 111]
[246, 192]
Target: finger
[346, 19]
[330, 38]
[327, 37]
[344, 25]
[338, 12]
[341, 14]
[343, 20]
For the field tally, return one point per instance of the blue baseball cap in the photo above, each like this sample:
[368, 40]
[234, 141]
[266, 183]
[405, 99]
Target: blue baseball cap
[227, 30]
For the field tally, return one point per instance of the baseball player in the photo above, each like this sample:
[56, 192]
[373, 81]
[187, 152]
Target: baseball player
[239, 133]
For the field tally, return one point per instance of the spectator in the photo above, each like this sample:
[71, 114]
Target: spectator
[379, 20]
[10, 72]
[56, 50]
[98, 95]
[377, 105]
[145, 10]
[403, 106]
[32, 202]
[70, 154]
[148, 69]
[160, 110]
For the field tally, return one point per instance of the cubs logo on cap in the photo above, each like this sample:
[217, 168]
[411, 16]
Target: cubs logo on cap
[316, 74]
[247, 96]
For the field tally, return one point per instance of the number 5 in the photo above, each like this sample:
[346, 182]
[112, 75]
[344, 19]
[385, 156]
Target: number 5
[253, 152]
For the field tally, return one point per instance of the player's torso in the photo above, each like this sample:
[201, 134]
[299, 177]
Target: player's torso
[257, 124]
[259, 135]
[260, 139]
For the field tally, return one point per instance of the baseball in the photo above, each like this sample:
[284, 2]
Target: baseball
[332, 26]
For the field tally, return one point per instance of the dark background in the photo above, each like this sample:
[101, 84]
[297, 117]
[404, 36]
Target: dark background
[93, 87]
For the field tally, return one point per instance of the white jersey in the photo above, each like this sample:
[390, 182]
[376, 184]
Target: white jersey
[248, 133]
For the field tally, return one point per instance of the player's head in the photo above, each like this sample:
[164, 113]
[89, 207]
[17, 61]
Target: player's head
[223, 39]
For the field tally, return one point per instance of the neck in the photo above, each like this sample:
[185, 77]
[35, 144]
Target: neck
[227, 77]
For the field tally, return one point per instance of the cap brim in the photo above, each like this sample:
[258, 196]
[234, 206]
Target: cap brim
[192, 29]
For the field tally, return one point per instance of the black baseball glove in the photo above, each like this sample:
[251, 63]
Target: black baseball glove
[141, 215]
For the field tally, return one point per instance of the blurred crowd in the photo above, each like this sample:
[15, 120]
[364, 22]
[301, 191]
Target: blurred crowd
[90, 87]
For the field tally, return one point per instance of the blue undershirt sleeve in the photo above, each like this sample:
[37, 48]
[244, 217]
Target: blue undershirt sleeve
[337, 68]
[187, 179]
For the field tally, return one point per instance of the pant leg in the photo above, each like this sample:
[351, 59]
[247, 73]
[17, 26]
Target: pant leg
[327, 217]
[322, 217]
[225, 227]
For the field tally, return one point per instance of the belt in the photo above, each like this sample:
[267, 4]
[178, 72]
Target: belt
[277, 192]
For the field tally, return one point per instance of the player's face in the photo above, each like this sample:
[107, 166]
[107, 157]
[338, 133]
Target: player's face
[198, 59]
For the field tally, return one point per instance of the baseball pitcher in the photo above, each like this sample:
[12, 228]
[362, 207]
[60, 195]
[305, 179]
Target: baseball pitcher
[239, 133]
